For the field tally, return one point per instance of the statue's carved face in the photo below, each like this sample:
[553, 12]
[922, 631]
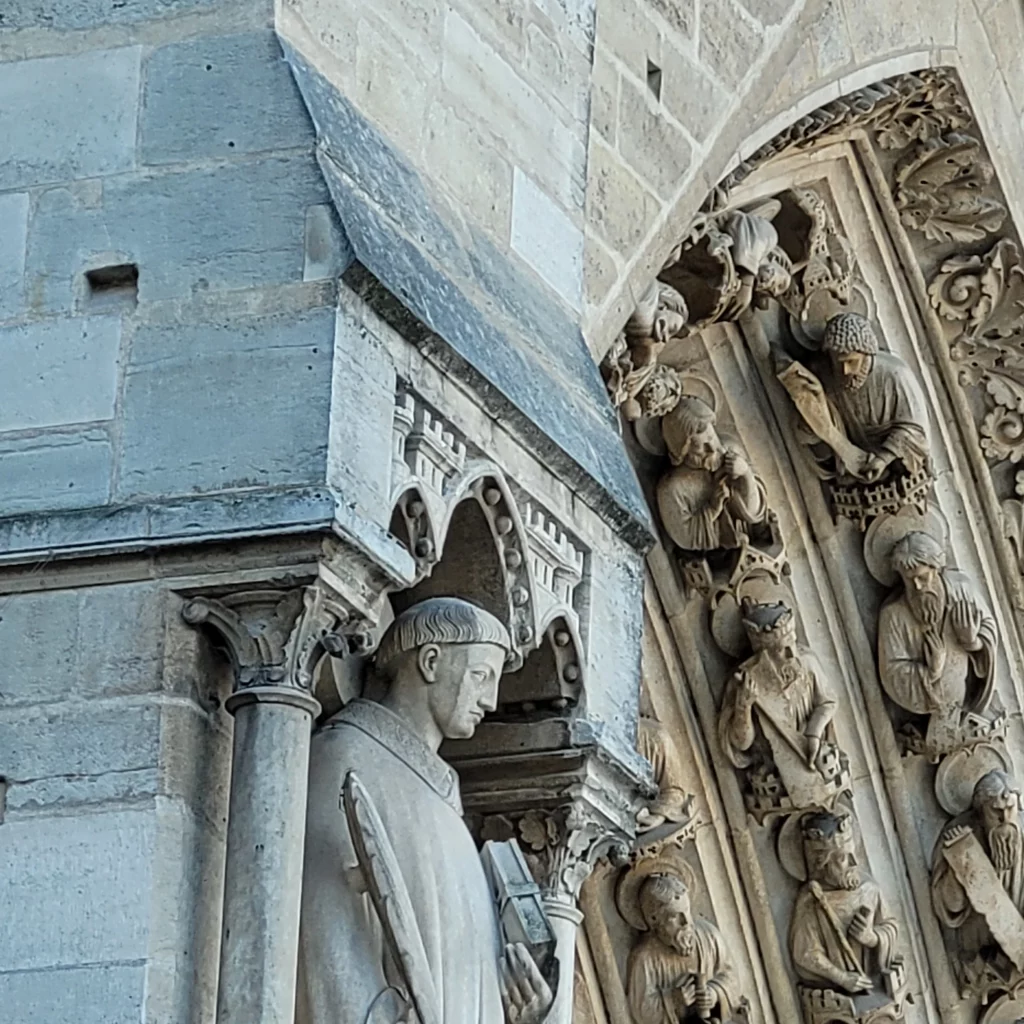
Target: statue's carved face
[701, 449]
[832, 860]
[854, 368]
[670, 916]
[781, 639]
[463, 684]
[926, 595]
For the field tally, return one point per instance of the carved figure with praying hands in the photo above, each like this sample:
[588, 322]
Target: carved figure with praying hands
[711, 498]
[398, 920]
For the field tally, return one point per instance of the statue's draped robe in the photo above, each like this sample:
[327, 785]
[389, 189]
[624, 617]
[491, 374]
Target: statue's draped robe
[685, 499]
[656, 972]
[888, 413]
[901, 663]
[818, 936]
[785, 716]
[344, 973]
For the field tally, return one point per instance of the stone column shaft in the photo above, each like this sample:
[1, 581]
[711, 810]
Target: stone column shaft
[565, 921]
[265, 840]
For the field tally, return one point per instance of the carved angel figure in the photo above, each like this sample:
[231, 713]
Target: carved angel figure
[710, 497]
[398, 920]
[842, 938]
[777, 713]
[978, 879]
[680, 970]
[868, 407]
[763, 270]
[934, 634]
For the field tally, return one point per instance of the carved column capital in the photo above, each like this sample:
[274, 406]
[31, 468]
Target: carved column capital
[562, 845]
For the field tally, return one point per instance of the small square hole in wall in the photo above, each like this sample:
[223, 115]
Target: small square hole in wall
[654, 79]
[116, 285]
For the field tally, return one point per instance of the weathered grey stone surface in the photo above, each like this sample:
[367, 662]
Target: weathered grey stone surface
[14, 208]
[80, 14]
[107, 994]
[191, 422]
[201, 97]
[56, 471]
[69, 117]
[67, 372]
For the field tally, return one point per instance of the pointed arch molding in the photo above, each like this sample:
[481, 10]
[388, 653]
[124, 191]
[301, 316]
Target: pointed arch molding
[541, 564]
[960, 249]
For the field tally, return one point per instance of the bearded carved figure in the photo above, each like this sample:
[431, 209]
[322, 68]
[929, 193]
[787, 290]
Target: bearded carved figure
[869, 409]
[710, 497]
[680, 969]
[776, 718]
[978, 881]
[935, 635]
[842, 937]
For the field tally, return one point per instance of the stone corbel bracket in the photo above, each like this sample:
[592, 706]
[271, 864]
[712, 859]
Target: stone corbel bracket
[542, 565]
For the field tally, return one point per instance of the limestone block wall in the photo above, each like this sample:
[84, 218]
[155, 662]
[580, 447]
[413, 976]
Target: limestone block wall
[179, 147]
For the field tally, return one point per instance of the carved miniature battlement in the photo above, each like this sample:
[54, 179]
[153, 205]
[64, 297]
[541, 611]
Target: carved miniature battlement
[557, 562]
[425, 442]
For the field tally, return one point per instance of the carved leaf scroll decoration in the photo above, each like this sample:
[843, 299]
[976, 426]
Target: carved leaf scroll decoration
[939, 185]
[985, 296]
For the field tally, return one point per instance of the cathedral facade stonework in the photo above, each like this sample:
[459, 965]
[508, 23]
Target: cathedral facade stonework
[510, 512]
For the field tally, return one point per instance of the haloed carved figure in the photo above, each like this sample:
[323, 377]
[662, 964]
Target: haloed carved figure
[434, 939]
[710, 498]
[680, 970]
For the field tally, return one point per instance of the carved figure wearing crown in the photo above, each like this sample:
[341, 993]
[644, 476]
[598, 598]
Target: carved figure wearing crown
[978, 881]
[710, 497]
[680, 969]
[398, 919]
[868, 406]
[776, 718]
[936, 636]
[842, 938]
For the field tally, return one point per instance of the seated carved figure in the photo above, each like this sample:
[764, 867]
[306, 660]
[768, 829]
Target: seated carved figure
[776, 718]
[934, 635]
[434, 939]
[711, 497]
[978, 881]
[842, 938]
[680, 969]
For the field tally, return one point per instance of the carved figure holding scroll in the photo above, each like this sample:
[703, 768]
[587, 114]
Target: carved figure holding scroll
[868, 407]
[935, 634]
[777, 713]
[397, 913]
[978, 878]
[680, 969]
[711, 497]
[842, 937]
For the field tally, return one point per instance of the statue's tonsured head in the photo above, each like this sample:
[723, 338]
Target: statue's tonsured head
[767, 625]
[690, 434]
[457, 649]
[847, 333]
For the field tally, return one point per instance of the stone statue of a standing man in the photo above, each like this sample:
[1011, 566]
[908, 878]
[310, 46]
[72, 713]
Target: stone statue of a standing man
[435, 952]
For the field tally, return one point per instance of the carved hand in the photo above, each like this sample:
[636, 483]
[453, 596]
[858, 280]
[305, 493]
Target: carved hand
[854, 981]
[526, 995]
[688, 989]
[704, 1001]
[813, 746]
[966, 620]
[735, 465]
[955, 834]
[861, 930]
[875, 465]
[722, 492]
